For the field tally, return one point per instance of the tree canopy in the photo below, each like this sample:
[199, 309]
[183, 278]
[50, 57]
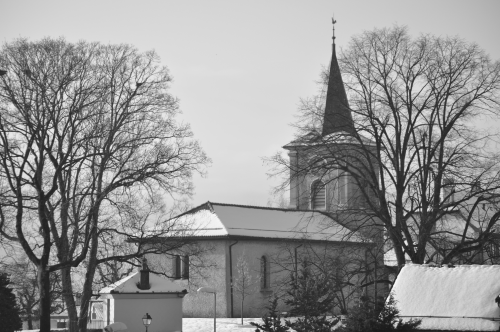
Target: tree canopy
[89, 147]
[423, 163]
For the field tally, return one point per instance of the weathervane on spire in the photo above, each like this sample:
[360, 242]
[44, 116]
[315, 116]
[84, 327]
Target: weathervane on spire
[333, 23]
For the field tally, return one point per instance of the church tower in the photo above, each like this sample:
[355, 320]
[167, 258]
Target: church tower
[324, 163]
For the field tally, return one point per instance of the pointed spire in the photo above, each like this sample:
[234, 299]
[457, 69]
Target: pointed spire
[337, 116]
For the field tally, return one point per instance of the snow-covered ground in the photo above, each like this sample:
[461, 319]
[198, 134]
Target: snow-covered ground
[223, 324]
[207, 325]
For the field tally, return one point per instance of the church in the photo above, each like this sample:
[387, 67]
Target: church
[250, 254]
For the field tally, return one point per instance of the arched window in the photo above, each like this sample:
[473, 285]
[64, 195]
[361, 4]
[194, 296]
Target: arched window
[449, 190]
[180, 267]
[342, 189]
[318, 195]
[264, 273]
[185, 267]
[176, 266]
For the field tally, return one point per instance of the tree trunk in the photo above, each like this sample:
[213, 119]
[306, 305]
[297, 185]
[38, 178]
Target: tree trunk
[87, 286]
[44, 288]
[69, 299]
[30, 321]
[242, 299]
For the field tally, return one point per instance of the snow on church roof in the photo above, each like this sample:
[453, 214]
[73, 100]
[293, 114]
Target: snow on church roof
[216, 220]
[129, 285]
[449, 298]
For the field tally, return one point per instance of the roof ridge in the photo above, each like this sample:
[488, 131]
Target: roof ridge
[268, 208]
[205, 206]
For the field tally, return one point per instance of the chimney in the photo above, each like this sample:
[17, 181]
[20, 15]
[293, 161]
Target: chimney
[144, 283]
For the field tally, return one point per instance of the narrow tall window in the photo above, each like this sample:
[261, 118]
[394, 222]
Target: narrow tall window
[318, 195]
[264, 273]
[185, 267]
[342, 189]
[177, 266]
[449, 191]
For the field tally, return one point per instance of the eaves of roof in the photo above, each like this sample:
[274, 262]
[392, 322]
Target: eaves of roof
[256, 238]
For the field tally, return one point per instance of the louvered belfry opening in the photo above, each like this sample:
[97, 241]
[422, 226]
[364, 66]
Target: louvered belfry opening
[318, 194]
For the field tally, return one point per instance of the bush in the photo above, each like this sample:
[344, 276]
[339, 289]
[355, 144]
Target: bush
[366, 318]
[313, 323]
[310, 298]
[272, 319]
[310, 295]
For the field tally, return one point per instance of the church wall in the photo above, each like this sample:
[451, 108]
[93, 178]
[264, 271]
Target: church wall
[207, 270]
[280, 255]
[301, 183]
[302, 177]
[251, 252]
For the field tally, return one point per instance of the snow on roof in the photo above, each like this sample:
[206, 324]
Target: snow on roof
[129, 285]
[216, 219]
[446, 298]
[390, 258]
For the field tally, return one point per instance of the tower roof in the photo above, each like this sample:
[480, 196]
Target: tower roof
[337, 115]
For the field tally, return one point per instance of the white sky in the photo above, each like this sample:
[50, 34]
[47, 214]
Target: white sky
[240, 67]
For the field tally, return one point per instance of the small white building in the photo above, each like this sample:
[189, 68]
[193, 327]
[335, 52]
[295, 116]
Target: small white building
[129, 299]
[460, 298]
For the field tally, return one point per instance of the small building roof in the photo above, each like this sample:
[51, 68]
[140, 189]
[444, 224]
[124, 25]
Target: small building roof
[129, 285]
[449, 298]
[223, 220]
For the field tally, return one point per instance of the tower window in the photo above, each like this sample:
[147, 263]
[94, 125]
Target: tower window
[318, 195]
[342, 189]
[449, 190]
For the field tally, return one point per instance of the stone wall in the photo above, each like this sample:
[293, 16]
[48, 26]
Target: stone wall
[280, 255]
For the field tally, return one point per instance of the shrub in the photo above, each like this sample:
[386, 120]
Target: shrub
[313, 324]
[310, 295]
[366, 318]
[272, 319]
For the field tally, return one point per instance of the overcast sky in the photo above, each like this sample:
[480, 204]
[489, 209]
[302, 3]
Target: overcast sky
[240, 67]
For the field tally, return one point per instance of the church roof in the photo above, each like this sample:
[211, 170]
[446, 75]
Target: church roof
[129, 285]
[460, 298]
[337, 116]
[228, 220]
[340, 137]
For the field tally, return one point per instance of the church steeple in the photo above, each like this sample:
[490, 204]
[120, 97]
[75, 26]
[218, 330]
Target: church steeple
[337, 116]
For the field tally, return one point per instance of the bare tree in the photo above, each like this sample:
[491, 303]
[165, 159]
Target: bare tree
[243, 284]
[111, 271]
[417, 156]
[84, 130]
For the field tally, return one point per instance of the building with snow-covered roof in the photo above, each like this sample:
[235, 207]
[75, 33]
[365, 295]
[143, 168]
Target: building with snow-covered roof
[235, 221]
[460, 298]
[325, 225]
[129, 299]
[270, 242]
